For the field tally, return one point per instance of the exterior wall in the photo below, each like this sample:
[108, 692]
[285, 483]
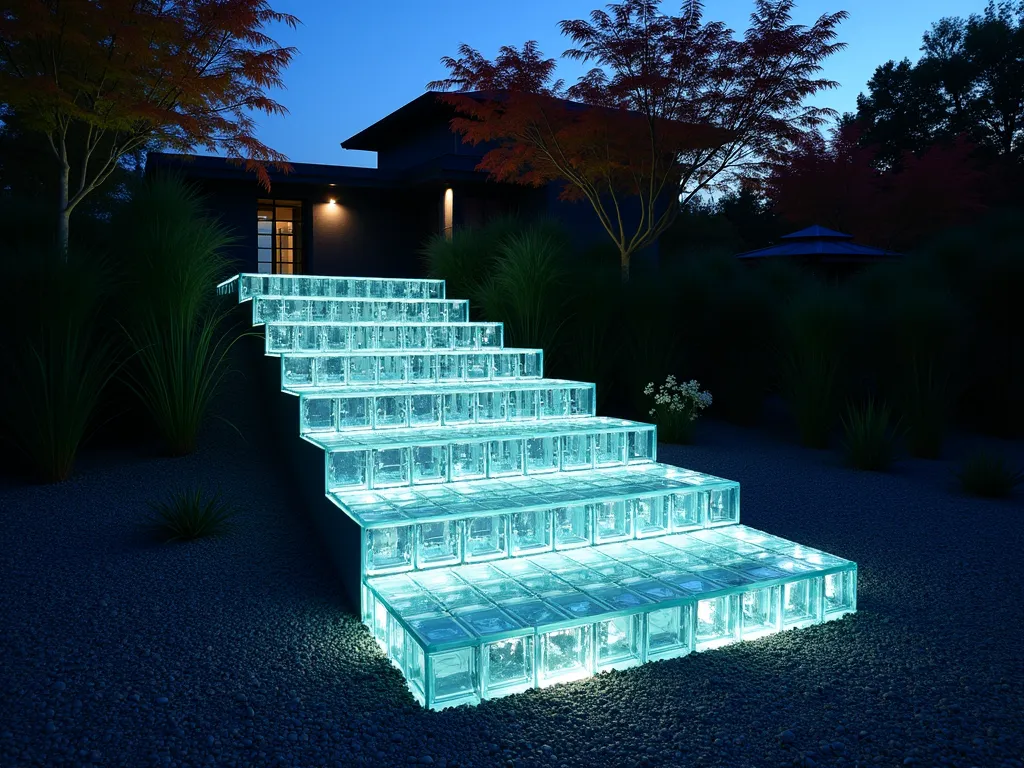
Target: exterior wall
[428, 142]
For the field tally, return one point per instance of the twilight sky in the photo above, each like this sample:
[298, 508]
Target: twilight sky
[359, 60]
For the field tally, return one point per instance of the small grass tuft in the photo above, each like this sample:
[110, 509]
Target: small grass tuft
[188, 516]
[989, 475]
[869, 436]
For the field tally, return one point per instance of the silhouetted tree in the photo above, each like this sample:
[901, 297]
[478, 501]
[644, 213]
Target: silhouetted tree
[675, 106]
[100, 80]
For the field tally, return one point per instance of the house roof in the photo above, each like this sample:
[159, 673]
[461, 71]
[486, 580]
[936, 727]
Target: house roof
[429, 106]
[833, 246]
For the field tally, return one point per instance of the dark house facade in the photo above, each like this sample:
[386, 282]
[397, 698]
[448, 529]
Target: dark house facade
[335, 219]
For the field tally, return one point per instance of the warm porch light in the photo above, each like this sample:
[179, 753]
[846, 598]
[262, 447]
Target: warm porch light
[332, 201]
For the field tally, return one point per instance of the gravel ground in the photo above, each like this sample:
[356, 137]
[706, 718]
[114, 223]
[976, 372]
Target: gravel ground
[236, 652]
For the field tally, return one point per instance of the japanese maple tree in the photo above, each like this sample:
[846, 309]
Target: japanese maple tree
[103, 78]
[835, 183]
[671, 107]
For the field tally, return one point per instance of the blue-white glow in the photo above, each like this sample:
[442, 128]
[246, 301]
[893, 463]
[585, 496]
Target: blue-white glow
[512, 538]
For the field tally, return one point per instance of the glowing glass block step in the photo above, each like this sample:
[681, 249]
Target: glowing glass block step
[474, 632]
[300, 372]
[435, 405]
[248, 285]
[424, 456]
[413, 529]
[346, 337]
[333, 310]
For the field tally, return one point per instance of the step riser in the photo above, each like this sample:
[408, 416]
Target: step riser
[427, 464]
[343, 414]
[282, 338]
[273, 310]
[344, 369]
[574, 650]
[247, 286]
[483, 538]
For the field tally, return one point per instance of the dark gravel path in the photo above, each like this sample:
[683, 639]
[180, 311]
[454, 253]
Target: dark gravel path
[235, 652]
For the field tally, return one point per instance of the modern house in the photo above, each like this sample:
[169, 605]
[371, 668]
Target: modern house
[345, 220]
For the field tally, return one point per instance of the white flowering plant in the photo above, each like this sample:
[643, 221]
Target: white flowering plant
[676, 407]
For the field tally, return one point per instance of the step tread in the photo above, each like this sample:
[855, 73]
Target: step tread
[504, 430]
[476, 498]
[467, 605]
[435, 388]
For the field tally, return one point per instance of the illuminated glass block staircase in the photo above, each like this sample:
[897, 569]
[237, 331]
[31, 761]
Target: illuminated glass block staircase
[508, 537]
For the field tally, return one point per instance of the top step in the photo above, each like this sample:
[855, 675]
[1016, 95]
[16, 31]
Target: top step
[248, 285]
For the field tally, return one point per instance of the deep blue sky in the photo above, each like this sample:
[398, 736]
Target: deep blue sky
[360, 60]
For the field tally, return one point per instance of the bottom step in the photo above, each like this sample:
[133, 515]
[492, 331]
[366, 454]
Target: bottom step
[475, 632]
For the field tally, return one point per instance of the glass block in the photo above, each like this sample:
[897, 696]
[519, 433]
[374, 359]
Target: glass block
[761, 612]
[366, 605]
[329, 370]
[687, 510]
[468, 461]
[610, 449]
[415, 671]
[390, 467]
[640, 446]
[429, 464]
[504, 365]
[316, 414]
[452, 678]
[531, 532]
[347, 469]
[438, 544]
[296, 371]
[388, 550]
[354, 413]
[424, 410]
[650, 515]
[802, 602]
[554, 403]
[612, 522]
[718, 622]
[566, 654]
[392, 368]
[486, 538]
[477, 367]
[451, 367]
[491, 406]
[669, 632]
[619, 642]
[581, 401]
[362, 369]
[573, 526]
[422, 368]
[396, 643]
[541, 455]
[522, 405]
[391, 412]
[459, 408]
[505, 457]
[508, 666]
[724, 506]
[531, 365]
[380, 624]
[577, 452]
[840, 593]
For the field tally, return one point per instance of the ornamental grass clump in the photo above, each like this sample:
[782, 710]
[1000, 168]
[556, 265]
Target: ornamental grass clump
[869, 436]
[190, 514]
[989, 475]
[676, 407]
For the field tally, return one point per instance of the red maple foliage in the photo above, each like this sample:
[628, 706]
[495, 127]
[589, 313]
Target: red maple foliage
[672, 107]
[835, 183]
[103, 78]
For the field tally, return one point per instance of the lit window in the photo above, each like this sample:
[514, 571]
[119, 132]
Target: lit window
[279, 236]
[449, 213]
